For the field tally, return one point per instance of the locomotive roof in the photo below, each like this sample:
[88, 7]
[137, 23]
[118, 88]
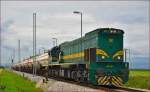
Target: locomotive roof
[94, 32]
[102, 30]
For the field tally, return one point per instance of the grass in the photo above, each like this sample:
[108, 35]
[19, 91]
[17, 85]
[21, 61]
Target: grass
[11, 82]
[139, 79]
[0, 71]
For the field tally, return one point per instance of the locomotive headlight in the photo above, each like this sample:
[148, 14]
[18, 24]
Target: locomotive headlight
[118, 57]
[103, 57]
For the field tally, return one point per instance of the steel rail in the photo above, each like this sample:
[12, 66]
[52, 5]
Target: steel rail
[127, 89]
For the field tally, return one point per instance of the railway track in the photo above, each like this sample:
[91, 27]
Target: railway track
[104, 88]
[125, 89]
[100, 88]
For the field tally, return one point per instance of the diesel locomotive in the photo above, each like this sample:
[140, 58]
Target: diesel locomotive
[97, 58]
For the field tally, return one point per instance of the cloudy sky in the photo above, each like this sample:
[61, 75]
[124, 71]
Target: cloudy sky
[56, 19]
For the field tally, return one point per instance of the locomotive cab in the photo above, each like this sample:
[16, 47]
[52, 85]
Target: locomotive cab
[55, 54]
[107, 66]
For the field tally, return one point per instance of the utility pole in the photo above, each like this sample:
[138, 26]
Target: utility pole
[13, 57]
[0, 42]
[34, 44]
[19, 53]
[80, 13]
[55, 42]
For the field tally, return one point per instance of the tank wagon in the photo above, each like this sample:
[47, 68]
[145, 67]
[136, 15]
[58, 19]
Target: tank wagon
[27, 64]
[97, 58]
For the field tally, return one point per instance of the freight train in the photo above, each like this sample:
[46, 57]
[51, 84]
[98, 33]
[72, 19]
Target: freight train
[97, 58]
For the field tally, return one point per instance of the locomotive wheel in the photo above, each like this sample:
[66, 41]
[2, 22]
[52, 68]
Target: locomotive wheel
[78, 79]
[75, 77]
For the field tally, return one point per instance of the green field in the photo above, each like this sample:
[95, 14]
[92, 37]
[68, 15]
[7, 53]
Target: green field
[139, 79]
[11, 82]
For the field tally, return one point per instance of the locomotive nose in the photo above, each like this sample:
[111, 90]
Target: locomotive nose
[110, 81]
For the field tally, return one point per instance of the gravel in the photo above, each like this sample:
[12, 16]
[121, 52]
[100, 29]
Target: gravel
[57, 86]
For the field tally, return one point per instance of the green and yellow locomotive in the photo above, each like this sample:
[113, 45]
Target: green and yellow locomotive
[97, 58]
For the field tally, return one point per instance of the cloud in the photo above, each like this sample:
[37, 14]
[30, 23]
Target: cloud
[55, 19]
[61, 26]
[6, 25]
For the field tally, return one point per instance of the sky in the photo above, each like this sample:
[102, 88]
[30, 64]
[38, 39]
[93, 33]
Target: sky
[55, 19]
